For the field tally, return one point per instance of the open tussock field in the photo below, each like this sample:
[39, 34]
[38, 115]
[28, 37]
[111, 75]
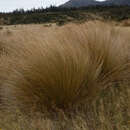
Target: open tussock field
[74, 77]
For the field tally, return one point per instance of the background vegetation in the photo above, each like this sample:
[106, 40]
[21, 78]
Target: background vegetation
[64, 15]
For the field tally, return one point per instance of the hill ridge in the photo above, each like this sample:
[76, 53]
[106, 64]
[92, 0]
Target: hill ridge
[83, 3]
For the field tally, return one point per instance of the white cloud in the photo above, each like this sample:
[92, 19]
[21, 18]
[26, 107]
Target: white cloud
[101, 0]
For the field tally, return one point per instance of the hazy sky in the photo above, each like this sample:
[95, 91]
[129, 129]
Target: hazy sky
[9, 5]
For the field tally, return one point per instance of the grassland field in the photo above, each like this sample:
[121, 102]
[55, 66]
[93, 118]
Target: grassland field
[110, 110]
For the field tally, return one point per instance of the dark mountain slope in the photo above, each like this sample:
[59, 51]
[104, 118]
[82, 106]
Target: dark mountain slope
[117, 2]
[83, 3]
[79, 3]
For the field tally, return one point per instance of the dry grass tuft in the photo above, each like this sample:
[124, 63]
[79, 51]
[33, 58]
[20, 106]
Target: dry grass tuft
[126, 22]
[62, 69]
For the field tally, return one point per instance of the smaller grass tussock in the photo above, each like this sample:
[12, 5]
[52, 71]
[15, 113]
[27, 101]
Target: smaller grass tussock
[126, 22]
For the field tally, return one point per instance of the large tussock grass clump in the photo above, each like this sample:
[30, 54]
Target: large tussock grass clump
[64, 68]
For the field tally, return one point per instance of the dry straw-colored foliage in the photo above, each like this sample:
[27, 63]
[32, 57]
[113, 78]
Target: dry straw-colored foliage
[63, 70]
[126, 23]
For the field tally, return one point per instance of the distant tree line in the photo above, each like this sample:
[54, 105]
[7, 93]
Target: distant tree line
[62, 15]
